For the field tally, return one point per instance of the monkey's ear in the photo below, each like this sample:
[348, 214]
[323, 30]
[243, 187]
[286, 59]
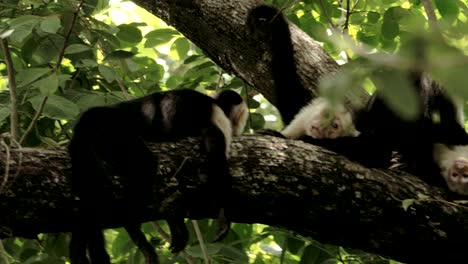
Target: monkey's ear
[355, 132]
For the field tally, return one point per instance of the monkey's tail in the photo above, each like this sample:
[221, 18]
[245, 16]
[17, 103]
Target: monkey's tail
[269, 24]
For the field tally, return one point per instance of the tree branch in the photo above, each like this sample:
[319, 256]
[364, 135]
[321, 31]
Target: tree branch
[14, 123]
[278, 182]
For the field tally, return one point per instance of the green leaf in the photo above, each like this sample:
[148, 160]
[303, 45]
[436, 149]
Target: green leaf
[27, 76]
[253, 104]
[91, 100]
[422, 196]
[76, 48]
[294, 244]
[390, 29]
[373, 17]
[119, 54]
[6, 33]
[212, 249]
[313, 254]
[51, 25]
[258, 121]
[407, 203]
[57, 107]
[448, 9]
[24, 20]
[182, 46]
[4, 113]
[121, 243]
[159, 36]
[23, 27]
[107, 72]
[129, 33]
[193, 58]
[48, 85]
[86, 63]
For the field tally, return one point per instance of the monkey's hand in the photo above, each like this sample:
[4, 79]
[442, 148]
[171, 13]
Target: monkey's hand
[224, 225]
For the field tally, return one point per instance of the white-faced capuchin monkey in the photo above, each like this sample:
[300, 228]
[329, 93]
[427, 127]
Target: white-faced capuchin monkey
[110, 143]
[321, 119]
[429, 148]
[318, 118]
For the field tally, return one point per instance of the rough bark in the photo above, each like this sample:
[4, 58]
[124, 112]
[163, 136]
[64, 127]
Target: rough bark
[278, 182]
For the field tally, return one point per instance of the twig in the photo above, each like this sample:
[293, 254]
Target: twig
[34, 120]
[7, 164]
[431, 17]
[322, 5]
[14, 124]
[67, 37]
[201, 242]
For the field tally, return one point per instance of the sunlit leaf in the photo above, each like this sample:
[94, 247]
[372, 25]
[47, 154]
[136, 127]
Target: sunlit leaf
[182, 46]
[159, 36]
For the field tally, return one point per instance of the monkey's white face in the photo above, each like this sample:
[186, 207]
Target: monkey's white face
[326, 121]
[453, 163]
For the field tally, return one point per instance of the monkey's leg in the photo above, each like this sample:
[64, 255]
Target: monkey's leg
[179, 233]
[142, 243]
[219, 178]
[97, 247]
[77, 248]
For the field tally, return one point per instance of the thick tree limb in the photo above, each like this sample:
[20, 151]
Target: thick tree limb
[277, 182]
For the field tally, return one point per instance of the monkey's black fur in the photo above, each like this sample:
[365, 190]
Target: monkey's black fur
[268, 23]
[110, 141]
[382, 130]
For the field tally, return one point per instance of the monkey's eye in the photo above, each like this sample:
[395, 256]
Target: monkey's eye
[335, 125]
[465, 176]
[454, 174]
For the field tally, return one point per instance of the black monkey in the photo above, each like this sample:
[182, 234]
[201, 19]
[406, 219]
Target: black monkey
[111, 140]
[429, 147]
